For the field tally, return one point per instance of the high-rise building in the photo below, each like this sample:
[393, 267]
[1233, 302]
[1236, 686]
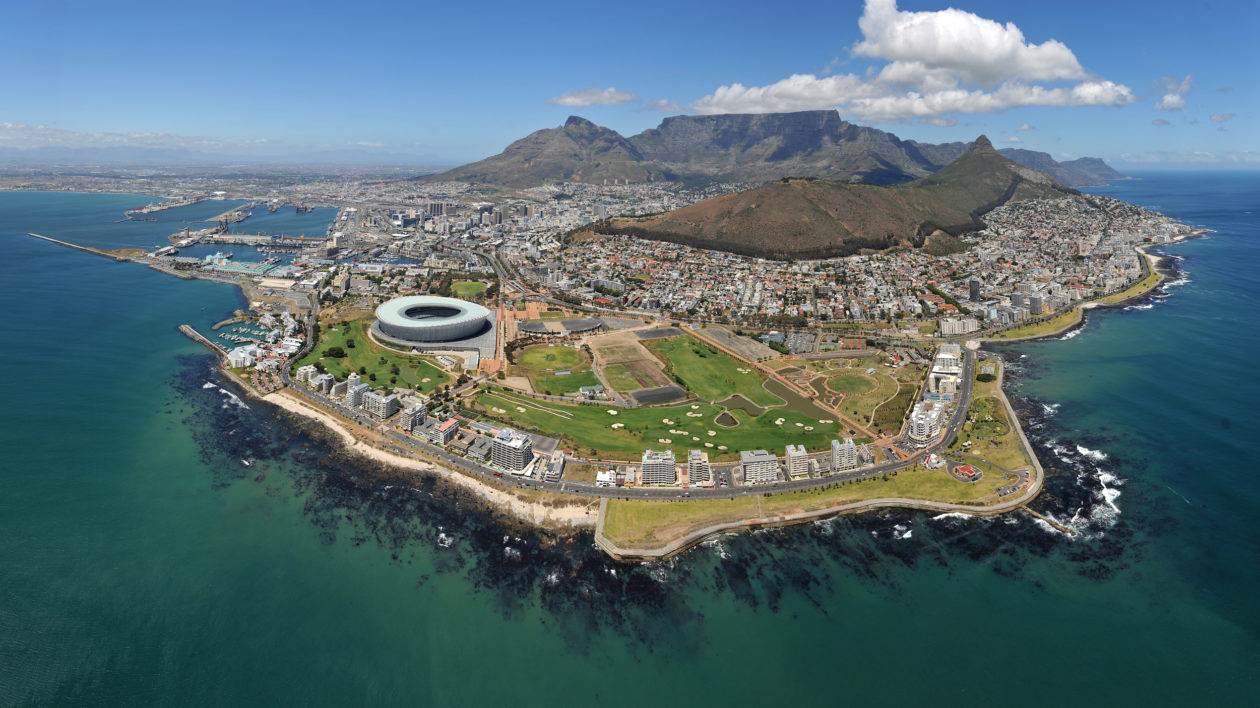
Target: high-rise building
[512, 450]
[413, 417]
[1034, 305]
[759, 466]
[304, 373]
[322, 382]
[379, 404]
[339, 389]
[354, 394]
[844, 455]
[658, 467]
[973, 289]
[797, 461]
[444, 432]
[353, 379]
[698, 471]
[925, 421]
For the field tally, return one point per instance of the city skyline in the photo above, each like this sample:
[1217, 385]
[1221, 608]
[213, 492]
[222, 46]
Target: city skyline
[1156, 86]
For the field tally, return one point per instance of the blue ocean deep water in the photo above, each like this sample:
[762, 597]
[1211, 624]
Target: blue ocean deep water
[143, 562]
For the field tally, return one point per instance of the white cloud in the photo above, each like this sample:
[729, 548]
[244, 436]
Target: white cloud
[660, 104]
[1175, 91]
[1027, 126]
[943, 122]
[1160, 122]
[1247, 157]
[1170, 102]
[1222, 117]
[977, 50]
[592, 97]
[23, 135]
[1012, 139]
[938, 63]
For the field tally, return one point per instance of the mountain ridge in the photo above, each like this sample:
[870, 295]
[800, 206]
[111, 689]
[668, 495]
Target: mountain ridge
[738, 148]
[808, 218]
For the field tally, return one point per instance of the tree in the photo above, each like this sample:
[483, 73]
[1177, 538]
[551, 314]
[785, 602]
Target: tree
[350, 344]
[372, 377]
[362, 370]
[335, 353]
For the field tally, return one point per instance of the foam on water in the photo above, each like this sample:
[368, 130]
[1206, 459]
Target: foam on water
[1095, 455]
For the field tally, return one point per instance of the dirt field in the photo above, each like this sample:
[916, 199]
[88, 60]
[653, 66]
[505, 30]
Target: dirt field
[746, 347]
[625, 363]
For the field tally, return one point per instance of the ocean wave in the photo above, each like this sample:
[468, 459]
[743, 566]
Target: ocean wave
[952, 515]
[445, 541]
[1050, 408]
[1071, 334]
[208, 385]
[1095, 455]
[1146, 306]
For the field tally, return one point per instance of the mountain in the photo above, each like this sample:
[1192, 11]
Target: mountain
[1093, 167]
[733, 148]
[805, 218]
[578, 151]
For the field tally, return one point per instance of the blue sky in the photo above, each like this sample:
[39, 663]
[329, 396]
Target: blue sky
[1141, 84]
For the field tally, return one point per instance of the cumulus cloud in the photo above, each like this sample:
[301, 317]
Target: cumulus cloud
[1160, 122]
[593, 97]
[1175, 91]
[1012, 139]
[977, 50]
[1221, 117]
[937, 63]
[1027, 126]
[937, 120]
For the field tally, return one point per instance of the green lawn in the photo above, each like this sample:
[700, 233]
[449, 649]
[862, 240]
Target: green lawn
[589, 427]
[710, 374]
[540, 363]
[914, 483]
[467, 289]
[851, 383]
[1050, 326]
[621, 378]
[1136, 289]
[890, 415]
[640, 523]
[412, 371]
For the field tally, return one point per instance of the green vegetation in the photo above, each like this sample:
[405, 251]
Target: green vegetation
[1136, 289]
[709, 374]
[851, 383]
[889, 415]
[640, 523]
[621, 378]
[359, 353]
[467, 289]
[541, 362]
[990, 433]
[589, 428]
[917, 482]
[1050, 326]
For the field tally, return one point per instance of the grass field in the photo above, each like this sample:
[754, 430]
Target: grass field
[889, 415]
[540, 364]
[914, 483]
[1054, 324]
[638, 524]
[467, 289]
[413, 372]
[851, 383]
[622, 378]
[1004, 450]
[711, 375]
[652, 524]
[589, 428]
[1136, 289]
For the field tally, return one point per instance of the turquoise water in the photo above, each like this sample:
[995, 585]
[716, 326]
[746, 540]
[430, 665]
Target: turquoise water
[145, 563]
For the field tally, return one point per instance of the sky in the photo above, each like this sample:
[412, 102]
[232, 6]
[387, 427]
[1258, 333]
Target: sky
[1149, 85]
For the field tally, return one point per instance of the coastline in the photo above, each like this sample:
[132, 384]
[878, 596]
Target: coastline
[538, 513]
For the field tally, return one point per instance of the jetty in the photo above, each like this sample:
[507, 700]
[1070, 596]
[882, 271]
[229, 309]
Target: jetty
[85, 249]
[196, 336]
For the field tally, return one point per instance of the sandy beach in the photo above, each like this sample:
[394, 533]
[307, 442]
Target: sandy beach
[581, 513]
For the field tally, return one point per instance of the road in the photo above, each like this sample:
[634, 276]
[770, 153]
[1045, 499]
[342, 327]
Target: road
[490, 474]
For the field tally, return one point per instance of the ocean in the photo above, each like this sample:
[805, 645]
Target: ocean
[165, 541]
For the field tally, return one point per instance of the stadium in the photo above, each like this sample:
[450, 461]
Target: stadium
[428, 322]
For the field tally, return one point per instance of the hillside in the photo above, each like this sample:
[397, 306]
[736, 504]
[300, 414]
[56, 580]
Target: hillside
[820, 219]
[737, 148]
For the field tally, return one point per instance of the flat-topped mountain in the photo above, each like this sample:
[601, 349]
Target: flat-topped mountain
[802, 218]
[737, 148]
